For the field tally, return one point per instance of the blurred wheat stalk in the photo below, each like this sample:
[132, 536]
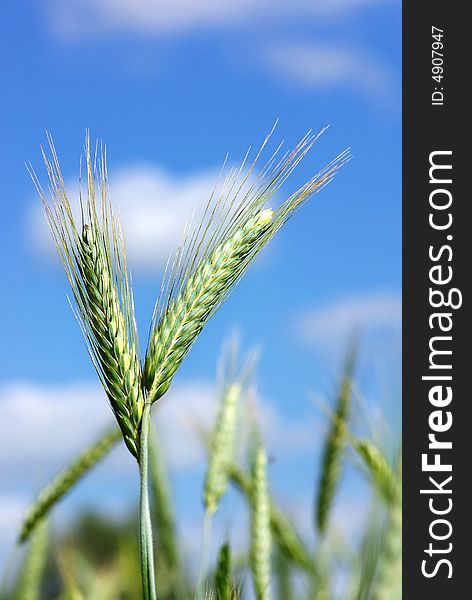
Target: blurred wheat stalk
[233, 228]
[277, 556]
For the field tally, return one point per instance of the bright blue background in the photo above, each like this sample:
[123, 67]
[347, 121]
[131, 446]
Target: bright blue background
[182, 100]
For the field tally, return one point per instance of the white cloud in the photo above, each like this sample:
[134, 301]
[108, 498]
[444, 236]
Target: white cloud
[82, 18]
[154, 205]
[48, 424]
[365, 314]
[51, 423]
[329, 66]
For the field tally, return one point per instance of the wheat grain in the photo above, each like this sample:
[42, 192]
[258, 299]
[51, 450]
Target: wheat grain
[164, 519]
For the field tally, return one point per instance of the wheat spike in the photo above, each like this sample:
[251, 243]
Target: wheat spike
[233, 229]
[380, 471]
[332, 457]
[283, 532]
[187, 314]
[260, 549]
[222, 447]
[94, 258]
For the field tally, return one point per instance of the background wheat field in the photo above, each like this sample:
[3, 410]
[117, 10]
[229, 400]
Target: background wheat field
[172, 90]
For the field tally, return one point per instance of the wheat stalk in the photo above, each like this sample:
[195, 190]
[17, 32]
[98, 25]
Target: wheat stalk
[32, 571]
[164, 522]
[222, 446]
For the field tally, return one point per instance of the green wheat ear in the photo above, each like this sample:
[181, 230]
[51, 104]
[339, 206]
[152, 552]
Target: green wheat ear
[222, 448]
[333, 451]
[93, 254]
[234, 228]
[282, 530]
[260, 550]
[379, 469]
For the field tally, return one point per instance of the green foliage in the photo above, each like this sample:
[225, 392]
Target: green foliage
[97, 559]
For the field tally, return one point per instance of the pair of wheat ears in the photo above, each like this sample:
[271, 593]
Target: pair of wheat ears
[233, 228]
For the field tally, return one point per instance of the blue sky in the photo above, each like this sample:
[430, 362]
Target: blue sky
[172, 87]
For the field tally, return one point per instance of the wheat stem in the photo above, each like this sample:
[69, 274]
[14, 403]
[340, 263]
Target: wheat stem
[29, 585]
[145, 526]
[202, 571]
[162, 509]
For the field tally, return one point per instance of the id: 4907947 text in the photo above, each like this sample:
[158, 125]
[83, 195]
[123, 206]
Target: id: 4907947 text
[437, 66]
